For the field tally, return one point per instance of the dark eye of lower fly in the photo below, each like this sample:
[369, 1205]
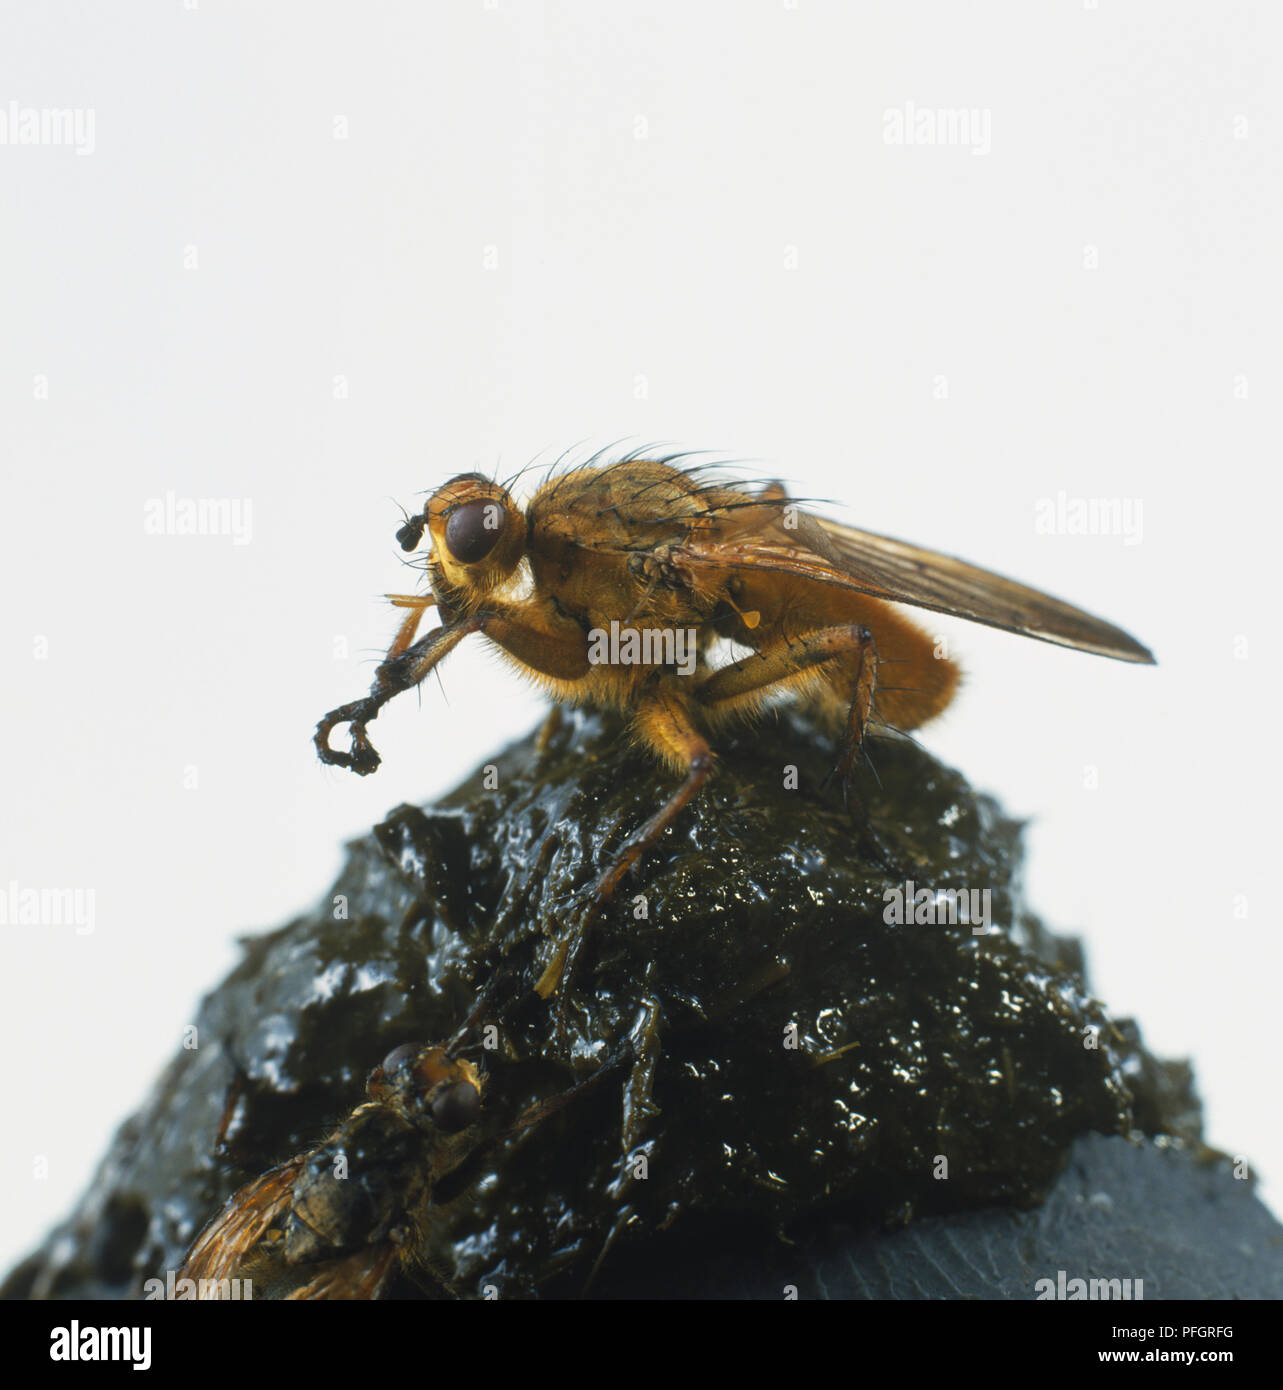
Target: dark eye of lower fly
[399, 1056]
[457, 1107]
[472, 530]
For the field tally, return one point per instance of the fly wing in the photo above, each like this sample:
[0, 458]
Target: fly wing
[830, 553]
[360, 1276]
[224, 1245]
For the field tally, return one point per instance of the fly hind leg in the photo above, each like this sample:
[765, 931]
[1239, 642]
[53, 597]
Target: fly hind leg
[796, 664]
[845, 654]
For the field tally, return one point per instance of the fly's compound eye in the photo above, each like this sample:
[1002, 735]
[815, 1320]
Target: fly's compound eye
[473, 530]
[457, 1107]
[399, 1056]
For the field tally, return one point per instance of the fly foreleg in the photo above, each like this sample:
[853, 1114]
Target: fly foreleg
[555, 650]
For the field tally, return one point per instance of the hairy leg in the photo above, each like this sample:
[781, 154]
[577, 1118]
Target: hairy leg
[665, 725]
[551, 648]
[792, 664]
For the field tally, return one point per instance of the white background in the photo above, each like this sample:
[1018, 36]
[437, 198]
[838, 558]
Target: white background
[551, 223]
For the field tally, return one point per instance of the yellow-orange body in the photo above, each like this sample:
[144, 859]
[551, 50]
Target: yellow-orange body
[614, 584]
[608, 545]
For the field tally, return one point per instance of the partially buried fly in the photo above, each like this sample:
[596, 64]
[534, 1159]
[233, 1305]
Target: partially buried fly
[341, 1220]
[611, 586]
